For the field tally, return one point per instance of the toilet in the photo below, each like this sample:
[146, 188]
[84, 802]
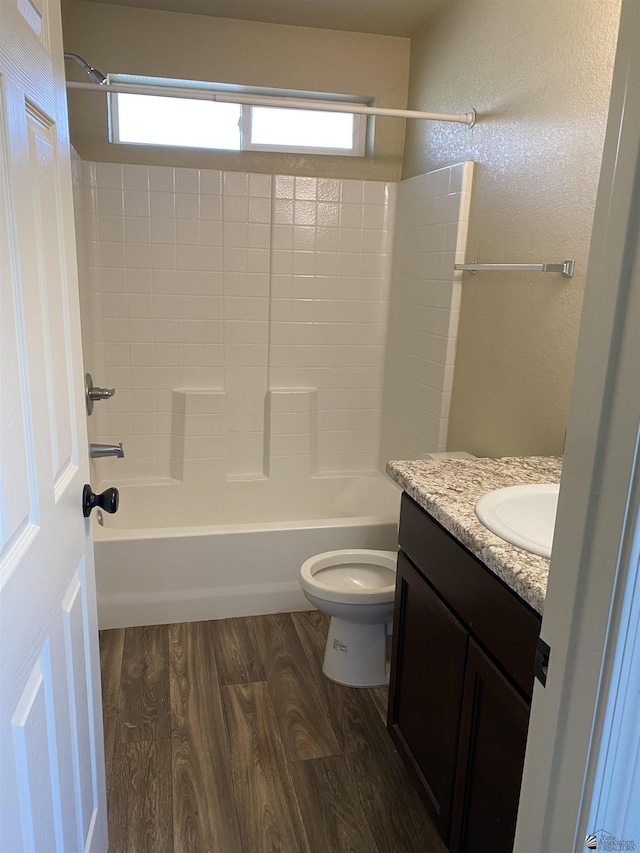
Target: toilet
[356, 588]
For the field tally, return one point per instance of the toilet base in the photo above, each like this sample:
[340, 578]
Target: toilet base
[355, 654]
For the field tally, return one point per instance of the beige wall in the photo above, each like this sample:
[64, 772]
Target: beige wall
[125, 40]
[539, 74]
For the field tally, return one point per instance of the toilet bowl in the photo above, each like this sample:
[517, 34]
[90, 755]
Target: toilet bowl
[356, 588]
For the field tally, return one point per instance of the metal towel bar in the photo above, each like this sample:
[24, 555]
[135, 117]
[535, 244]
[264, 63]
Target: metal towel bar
[566, 267]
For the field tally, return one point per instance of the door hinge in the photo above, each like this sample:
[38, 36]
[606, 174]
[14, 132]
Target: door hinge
[541, 661]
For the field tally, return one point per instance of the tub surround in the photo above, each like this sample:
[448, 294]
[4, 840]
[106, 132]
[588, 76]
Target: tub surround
[448, 491]
[243, 318]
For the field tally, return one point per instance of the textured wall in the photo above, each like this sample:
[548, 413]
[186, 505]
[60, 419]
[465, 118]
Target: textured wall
[539, 74]
[117, 39]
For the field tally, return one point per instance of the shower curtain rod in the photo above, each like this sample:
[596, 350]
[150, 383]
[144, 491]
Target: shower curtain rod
[271, 101]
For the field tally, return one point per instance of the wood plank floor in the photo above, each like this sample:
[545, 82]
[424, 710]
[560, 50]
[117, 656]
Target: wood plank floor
[225, 737]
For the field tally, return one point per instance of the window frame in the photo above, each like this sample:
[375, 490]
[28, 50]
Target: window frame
[359, 136]
[360, 123]
[114, 127]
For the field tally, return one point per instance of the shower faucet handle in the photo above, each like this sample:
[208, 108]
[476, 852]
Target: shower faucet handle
[102, 393]
[93, 393]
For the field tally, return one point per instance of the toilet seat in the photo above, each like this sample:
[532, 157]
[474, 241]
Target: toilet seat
[351, 576]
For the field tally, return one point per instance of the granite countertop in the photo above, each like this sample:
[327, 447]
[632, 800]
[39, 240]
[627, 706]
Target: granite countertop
[448, 491]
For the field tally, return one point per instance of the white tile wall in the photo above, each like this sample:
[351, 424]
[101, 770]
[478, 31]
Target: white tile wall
[291, 446]
[201, 281]
[243, 318]
[329, 296]
[432, 215]
[199, 434]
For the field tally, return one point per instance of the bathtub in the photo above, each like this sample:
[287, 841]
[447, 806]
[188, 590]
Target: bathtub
[176, 554]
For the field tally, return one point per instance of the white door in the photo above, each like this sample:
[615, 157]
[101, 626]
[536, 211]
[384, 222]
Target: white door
[52, 792]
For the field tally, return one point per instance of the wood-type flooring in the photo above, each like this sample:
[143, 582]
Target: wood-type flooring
[225, 737]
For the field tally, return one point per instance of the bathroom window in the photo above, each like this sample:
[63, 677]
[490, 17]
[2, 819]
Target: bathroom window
[139, 119]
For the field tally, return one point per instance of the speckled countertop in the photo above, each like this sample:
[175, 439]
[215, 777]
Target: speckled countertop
[448, 491]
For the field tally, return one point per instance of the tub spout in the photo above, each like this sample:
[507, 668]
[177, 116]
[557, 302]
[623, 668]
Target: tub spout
[98, 450]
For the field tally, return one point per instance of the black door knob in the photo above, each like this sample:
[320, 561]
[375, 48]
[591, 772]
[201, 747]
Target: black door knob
[107, 500]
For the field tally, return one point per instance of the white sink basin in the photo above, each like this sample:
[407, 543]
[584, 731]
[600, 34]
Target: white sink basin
[523, 515]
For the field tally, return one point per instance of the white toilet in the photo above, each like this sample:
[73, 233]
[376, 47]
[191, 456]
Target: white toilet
[356, 588]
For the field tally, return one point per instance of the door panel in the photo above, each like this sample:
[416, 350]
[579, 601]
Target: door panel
[17, 514]
[35, 757]
[51, 278]
[34, 13]
[74, 635]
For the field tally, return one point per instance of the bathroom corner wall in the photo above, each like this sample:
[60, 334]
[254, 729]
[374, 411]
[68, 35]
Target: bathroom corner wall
[432, 216]
[241, 318]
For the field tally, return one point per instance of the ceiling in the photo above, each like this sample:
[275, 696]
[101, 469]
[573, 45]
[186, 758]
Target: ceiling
[386, 17]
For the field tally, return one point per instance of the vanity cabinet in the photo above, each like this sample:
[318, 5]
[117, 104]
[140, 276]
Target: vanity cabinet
[461, 682]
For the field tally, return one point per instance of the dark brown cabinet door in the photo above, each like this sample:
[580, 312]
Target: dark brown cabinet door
[427, 676]
[493, 735]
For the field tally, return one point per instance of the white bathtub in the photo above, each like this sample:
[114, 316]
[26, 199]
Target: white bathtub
[174, 554]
